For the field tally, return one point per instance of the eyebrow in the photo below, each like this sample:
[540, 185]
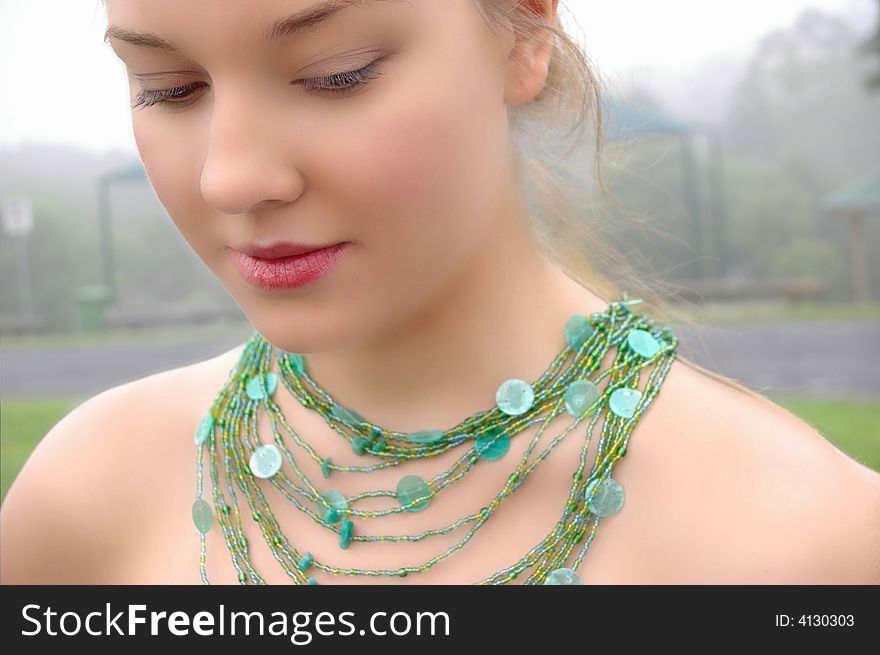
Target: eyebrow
[296, 23]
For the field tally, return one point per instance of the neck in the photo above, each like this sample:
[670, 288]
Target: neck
[502, 316]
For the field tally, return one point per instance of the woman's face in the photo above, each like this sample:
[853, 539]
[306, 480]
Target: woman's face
[254, 147]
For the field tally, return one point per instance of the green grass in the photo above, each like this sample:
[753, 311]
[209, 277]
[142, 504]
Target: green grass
[23, 422]
[774, 310]
[850, 425]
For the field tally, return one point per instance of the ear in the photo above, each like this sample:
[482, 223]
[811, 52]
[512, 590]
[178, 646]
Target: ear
[529, 59]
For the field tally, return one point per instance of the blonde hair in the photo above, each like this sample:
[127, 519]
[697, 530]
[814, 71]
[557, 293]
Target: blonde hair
[570, 237]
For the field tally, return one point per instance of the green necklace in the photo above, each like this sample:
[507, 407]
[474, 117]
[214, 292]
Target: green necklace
[227, 436]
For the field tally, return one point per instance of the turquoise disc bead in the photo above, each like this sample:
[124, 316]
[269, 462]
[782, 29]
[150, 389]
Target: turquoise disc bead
[577, 330]
[643, 342]
[493, 447]
[348, 416]
[425, 436]
[409, 489]
[312, 581]
[345, 533]
[204, 428]
[563, 576]
[261, 386]
[604, 497]
[623, 401]
[325, 467]
[580, 396]
[334, 500]
[515, 397]
[202, 516]
[265, 461]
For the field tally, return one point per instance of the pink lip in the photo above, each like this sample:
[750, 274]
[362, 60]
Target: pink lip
[285, 266]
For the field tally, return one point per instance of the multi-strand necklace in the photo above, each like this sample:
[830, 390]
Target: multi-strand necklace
[227, 435]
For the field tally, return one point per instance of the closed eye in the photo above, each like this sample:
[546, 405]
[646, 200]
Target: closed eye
[336, 84]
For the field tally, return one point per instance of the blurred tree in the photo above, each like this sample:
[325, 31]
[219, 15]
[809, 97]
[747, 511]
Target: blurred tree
[872, 47]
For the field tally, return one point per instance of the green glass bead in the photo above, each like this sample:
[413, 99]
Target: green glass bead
[425, 436]
[345, 534]
[242, 578]
[332, 515]
[494, 444]
[202, 516]
[563, 576]
[378, 445]
[325, 467]
[359, 445]
[643, 342]
[409, 489]
[577, 330]
[265, 461]
[333, 499]
[312, 581]
[296, 363]
[204, 429]
[623, 401]
[580, 396]
[261, 386]
[514, 397]
[305, 561]
[347, 416]
[604, 497]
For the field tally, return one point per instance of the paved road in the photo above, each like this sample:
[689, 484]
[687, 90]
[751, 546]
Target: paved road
[821, 358]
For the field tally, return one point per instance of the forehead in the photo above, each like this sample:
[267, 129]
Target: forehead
[169, 25]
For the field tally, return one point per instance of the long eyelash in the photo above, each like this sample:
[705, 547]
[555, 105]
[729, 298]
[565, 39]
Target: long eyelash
[338, 83]
[343, 82]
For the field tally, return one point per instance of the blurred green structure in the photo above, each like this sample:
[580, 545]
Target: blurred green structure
[92, 301]
[856, 202]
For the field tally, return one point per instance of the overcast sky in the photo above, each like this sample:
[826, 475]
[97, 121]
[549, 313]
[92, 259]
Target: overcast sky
[61, 83]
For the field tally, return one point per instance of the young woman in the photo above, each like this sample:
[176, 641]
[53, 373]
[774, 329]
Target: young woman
[406, 378]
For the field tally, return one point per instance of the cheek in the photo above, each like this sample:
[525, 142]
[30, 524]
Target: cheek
[421, 170]
[174, 175]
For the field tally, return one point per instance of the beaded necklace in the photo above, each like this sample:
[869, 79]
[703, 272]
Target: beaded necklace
[227, 436]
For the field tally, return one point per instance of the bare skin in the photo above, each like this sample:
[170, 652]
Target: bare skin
[443, 295]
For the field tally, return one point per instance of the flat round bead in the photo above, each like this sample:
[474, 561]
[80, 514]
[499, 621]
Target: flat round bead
[515, 397]
[409, 489]
[604, 497]
[494, 444]
[643, 342]
[425, 436]
[261, 386]
[334, 500]
[348, 416]
[345, 534]
[623, 401]
[563, 576]
[204, 429]
[265, 461]
[325, 467]
[580, 396]
[202, 516]
[577, 330]
[312, 581]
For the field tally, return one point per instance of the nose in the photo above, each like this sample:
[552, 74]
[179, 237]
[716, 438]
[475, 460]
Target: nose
[246, 160]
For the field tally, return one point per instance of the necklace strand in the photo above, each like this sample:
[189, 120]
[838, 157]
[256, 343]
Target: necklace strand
[228, 435]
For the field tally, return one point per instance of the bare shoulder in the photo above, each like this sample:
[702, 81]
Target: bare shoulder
[742, 491]
[71, 513]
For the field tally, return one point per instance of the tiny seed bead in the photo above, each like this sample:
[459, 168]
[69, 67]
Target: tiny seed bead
[635, 337]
